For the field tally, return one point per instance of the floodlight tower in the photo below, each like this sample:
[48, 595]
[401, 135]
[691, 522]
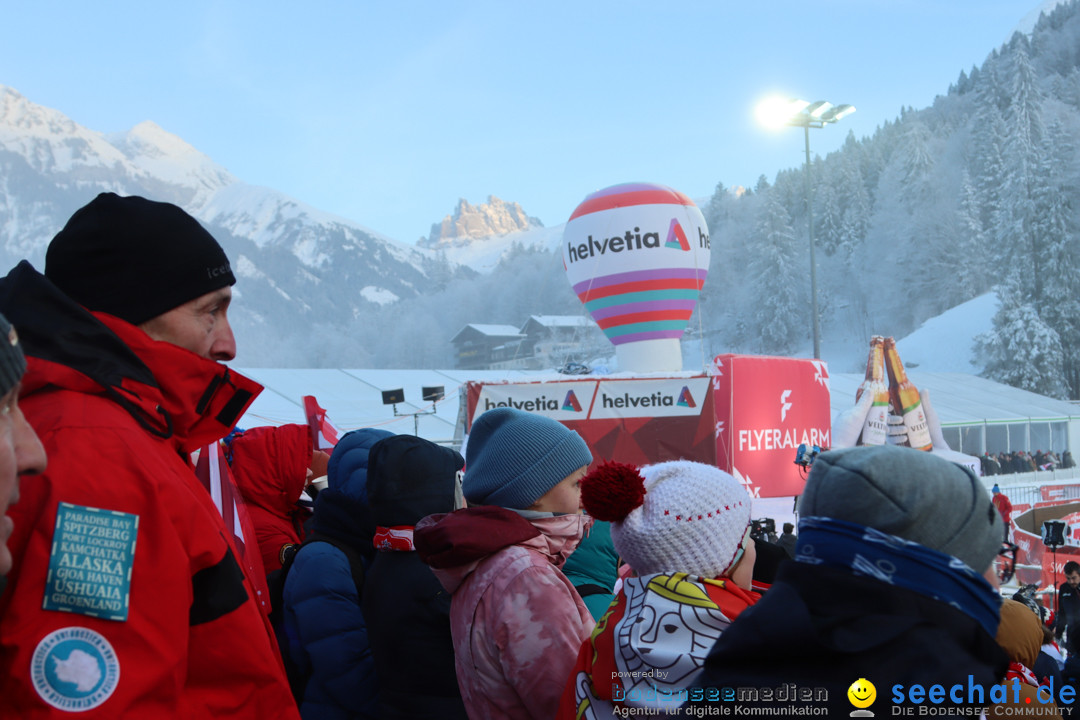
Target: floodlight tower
[777, 112]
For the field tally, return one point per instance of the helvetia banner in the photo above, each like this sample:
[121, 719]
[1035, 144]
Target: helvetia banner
[637, 421]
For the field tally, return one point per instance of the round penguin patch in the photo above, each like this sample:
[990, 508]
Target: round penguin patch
[74, 669]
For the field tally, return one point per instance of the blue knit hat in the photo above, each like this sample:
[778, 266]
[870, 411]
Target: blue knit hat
[513, 458]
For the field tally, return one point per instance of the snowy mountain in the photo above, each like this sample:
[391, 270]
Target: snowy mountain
[299, 266]
[484, 254]
[468, 222]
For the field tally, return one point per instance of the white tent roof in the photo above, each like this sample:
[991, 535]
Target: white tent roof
[353, 398]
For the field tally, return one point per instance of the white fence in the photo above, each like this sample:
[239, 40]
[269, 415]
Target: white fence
[1024, 488]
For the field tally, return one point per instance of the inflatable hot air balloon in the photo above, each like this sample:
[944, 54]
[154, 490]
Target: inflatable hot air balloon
[637, 255]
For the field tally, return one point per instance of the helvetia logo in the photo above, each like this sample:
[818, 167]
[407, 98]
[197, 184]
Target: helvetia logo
[686, 399]
[676, 238]
[632, 240]
[571, 404]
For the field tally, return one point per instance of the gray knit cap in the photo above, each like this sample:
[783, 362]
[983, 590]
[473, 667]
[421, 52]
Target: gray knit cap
[513, 458]
[909, 493]
[12, 362]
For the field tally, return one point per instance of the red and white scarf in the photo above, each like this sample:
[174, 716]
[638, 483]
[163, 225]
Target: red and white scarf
[399, 537]
[1019, 671]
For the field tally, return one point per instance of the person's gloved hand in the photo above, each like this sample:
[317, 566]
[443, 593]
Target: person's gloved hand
[848, 425]
[932, 422]
[897, 433]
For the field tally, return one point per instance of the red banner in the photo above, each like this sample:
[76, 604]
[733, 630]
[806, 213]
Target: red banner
[324, 436]
[632, 420]
[765, 408]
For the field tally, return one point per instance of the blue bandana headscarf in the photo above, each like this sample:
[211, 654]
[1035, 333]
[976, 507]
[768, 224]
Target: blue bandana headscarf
[868, 552]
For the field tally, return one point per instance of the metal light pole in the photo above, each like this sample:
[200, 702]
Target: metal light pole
[800, 113]
[813, 261]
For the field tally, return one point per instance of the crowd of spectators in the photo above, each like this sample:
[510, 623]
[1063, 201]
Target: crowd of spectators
[417, 583]
[1019, 461]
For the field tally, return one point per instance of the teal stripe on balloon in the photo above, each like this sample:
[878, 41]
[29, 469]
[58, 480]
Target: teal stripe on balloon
[646, 296]
[616, 331]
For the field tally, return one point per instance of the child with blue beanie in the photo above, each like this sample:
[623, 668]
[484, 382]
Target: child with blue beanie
[516, 620]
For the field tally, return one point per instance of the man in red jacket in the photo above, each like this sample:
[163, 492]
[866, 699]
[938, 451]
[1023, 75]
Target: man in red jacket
[1004, 506]
[126, 598]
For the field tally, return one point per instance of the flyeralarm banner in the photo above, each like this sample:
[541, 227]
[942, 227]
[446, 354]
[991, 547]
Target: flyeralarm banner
[765, 408]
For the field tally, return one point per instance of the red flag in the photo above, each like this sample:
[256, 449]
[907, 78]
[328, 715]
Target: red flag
[324, 435]
[213, 472]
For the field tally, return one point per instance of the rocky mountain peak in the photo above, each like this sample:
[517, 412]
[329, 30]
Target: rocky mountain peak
[495, 217]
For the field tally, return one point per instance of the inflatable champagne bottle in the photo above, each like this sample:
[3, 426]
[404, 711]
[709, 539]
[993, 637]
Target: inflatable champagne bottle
[906, 400]
[875, 428]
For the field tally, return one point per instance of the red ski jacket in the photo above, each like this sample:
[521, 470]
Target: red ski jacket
[270, 467]
[125, 599]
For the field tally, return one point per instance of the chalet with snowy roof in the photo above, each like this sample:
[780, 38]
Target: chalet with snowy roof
[479, 347]
[553, 340]
[544, 341]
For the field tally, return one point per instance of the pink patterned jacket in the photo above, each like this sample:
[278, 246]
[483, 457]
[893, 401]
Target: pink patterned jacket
[516, 621]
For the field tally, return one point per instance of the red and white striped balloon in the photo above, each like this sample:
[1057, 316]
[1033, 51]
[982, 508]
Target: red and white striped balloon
[637, 256]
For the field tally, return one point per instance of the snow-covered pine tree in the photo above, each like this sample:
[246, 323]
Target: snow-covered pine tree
[854, 201]
[1023, 155]
[828, 220]
[971, 240]
[917, 163]
[1057, 297]
[778, 276]
[716, 210]
[1021, 350]
[988, 163]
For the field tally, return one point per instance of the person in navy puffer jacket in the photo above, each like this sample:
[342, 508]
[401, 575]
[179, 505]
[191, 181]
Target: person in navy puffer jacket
[324, 625]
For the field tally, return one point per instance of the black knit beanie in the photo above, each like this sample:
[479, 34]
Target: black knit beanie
[12, 362]
[135, 258]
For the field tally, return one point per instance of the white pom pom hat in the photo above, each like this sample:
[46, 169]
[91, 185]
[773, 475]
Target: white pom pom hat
[695, 518]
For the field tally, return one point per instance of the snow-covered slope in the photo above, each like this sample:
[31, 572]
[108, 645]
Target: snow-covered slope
[945, 343]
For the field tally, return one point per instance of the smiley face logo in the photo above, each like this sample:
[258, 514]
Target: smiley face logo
[862, 693]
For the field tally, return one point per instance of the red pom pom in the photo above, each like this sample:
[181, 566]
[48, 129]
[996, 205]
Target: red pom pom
[612, 490]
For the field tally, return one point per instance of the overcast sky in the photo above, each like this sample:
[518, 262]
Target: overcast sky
[387, 112]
